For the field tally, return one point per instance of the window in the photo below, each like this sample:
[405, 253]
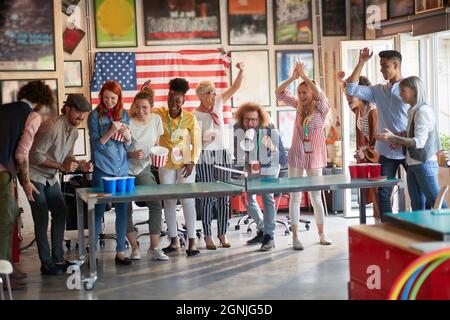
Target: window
[443, 81]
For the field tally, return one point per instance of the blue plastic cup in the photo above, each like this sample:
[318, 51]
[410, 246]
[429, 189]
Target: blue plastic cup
[121, 184]
[109, 185]
[130, 183]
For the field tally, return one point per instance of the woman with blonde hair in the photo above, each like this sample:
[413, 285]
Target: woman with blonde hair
[214, 152]
[146, 128]
[308, 151]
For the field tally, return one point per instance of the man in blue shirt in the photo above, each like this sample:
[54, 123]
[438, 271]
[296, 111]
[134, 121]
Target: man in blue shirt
[392, 113]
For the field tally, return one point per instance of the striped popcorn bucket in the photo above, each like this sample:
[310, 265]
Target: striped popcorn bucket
[118, 136]
[158, 156]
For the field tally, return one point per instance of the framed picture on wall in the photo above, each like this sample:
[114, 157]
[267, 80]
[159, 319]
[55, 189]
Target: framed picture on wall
[115, 23]
[286, 124]
[425, 5]
[334, 21]
[255, 85]
[247, 22]
[10, 88]
[357, 19]
[292, 21]
[285, 62]
[73, 74]
[80, 144]
[401, 8]
[376, 11]
[27, 38]
[181, 22]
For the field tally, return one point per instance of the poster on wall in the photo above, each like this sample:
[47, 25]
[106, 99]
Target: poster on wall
[292, 21]
[181, 21]
[67, 6]
[10, 88]
[357, 20]
[255, 85]
[285, 65]
[115, 23]
[286, 123]
[247, 22]
[401, 8]
[27, 39]
[376, 11]
[334, 18]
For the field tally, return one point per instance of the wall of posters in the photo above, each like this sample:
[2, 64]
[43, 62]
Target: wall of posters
[178, 22]
[115, 23]
[247, 22]
[334, 18]
[285, 64]
[255, 85]
[27, 38]
[292, 21]
[10, 88]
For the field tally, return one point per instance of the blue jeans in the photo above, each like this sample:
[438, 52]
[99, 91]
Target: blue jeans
[389, 169]
[266, 221]
[50, 198]
[121, 212]
[423, 185]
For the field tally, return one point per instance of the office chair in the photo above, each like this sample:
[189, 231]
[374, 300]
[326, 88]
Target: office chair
[440, 198]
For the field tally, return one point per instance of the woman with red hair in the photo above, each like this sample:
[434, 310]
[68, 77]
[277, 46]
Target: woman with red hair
[110, 140]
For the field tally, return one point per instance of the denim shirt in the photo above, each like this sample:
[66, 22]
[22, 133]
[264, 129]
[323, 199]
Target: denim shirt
[110, 157]
[392, 112]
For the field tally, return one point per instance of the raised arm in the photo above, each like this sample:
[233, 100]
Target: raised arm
[283, 86]
[364, 56]
[227, 94]
[300, 67]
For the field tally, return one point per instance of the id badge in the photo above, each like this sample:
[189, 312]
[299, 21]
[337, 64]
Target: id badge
[307, 146]
[177, 153]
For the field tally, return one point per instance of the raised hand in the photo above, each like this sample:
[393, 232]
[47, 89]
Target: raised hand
[365, 54]
[240, 65]
[341, 76]
[300, 67]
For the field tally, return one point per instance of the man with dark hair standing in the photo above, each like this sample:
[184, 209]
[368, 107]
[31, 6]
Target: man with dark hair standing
[392, 113]
[52, 151]
[19, 122]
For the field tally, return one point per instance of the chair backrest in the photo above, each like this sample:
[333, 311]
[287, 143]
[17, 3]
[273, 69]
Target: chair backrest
[440, 198]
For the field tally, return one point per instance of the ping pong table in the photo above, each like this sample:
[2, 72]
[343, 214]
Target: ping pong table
[93, 196]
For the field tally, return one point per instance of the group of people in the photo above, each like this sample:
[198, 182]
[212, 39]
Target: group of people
[388, 117]
[395, 125]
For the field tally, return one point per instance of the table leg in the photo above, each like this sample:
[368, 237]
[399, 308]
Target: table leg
[362, 206]
[80, 221]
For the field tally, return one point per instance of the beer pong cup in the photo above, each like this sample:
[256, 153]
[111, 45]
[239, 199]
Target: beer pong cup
[109, 185]
[121, 184]
[158, 156]
[375, 170]
[353, 171]
[130, 183]
[362, 171]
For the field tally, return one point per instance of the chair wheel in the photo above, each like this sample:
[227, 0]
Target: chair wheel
[237, 227]
[286, 232]
[88, 285]
[246, 221]
[249, 230]
[307, 226]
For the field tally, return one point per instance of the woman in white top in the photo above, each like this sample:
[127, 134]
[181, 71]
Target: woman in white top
[146, 128]
[421, 140]
[214, 152]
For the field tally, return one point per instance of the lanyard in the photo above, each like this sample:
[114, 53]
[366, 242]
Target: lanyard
[170, 126]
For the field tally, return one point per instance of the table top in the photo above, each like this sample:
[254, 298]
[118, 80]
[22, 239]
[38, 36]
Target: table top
[435, 224]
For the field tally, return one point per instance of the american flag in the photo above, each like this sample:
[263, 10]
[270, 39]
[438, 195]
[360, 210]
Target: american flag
[132, 69]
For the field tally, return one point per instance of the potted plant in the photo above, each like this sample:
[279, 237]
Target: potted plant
[444, 153]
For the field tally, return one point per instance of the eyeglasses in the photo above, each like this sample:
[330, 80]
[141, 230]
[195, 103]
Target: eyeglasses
[212, 92]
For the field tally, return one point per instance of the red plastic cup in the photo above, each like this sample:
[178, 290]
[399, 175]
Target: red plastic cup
[363, 171]
[375, 170]
[353, 171]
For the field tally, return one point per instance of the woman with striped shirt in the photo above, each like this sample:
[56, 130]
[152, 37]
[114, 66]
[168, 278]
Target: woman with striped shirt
[308, 150]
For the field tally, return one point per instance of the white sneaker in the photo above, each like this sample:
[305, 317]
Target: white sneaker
[157, 254]
[296, 244]
[324, 240]
[135, 255]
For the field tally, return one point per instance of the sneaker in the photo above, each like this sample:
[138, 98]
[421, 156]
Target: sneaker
[64, 265]
[123, 261]
[157, 254]
[135, 255]
[268, 243]
[257, 239]
[50, 270]
[297, 245]
[324, 240]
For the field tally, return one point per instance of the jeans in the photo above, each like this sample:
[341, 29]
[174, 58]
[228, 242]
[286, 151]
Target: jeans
[50, 198]
[423, 185]
[121, 212]
[389, 169]
[266, 221]
[9, 211]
